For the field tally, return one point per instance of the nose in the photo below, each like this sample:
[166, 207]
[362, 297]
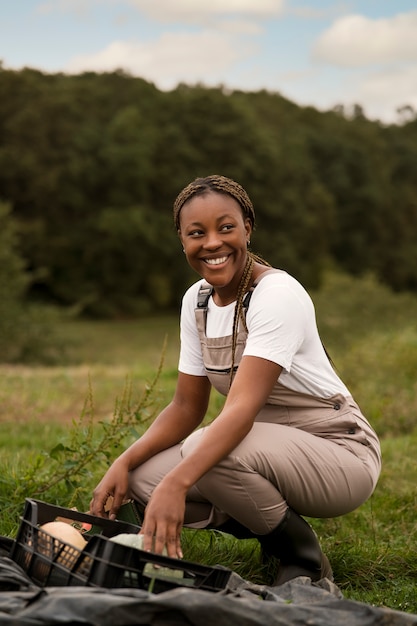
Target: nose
[213, 240]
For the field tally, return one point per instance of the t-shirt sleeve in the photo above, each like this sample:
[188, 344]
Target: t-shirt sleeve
[191, 359]
[276, 320]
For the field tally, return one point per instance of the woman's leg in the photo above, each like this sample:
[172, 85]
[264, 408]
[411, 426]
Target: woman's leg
[274, 475]
[199, 512]
[276, 467]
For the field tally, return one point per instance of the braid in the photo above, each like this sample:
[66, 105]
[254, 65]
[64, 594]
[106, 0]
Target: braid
[239, 313]
[220, 184]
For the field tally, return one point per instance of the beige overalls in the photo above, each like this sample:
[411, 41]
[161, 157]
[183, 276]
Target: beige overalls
[318, 456]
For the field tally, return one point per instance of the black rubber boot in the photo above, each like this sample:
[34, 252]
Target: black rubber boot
[235, 528]
[296, 546]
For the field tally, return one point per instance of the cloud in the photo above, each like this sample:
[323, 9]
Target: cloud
[185, 11]
[385, 91]
[192, 11]
[357, 41]
[317, 12]
[173, 57]
[240, 27]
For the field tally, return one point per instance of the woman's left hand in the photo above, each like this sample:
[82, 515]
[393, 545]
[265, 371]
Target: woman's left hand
[164, 518]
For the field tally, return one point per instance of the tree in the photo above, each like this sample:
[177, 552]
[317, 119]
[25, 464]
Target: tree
[92, 164]
[21, 330]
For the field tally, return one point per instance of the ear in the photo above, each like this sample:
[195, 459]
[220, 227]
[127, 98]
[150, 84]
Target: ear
[248, 228]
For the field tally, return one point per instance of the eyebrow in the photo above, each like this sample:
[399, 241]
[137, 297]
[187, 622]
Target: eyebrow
[226, 216]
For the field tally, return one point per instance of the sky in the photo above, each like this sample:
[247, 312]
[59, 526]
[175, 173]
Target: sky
[322, 53]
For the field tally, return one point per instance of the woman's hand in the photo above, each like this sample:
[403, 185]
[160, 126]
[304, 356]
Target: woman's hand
[164, 518]
[114, 485]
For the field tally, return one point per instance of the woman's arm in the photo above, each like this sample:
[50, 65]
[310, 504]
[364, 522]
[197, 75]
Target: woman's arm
[249, 392]
[184, 413]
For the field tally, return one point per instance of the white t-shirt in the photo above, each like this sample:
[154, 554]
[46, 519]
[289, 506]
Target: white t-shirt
[282, 328]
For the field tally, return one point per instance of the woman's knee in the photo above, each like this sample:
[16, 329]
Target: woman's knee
[192, 441]
[144, 478]
[141, 485]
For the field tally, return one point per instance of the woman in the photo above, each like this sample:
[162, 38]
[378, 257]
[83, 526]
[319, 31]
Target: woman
[289, 441]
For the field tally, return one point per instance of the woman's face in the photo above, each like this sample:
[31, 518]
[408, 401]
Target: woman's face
[215, 235]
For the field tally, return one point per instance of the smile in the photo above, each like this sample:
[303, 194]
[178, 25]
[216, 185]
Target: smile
[218, 261]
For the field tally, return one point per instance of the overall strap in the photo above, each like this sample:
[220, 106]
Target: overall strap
[204, 293]
[203, 296]
[206, 290]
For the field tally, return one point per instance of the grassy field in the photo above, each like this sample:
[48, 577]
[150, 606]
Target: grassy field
[104, 391]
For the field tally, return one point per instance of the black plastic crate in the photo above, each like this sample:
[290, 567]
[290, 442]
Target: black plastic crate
[102, 563]
[46, 559]
[105, 563]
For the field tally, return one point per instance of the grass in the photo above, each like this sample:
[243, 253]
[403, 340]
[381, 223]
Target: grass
[372, 337]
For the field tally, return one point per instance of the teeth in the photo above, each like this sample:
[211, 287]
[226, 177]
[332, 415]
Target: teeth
[216, 261]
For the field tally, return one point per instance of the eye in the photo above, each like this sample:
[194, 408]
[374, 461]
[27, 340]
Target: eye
[227, 227]
[195, 233]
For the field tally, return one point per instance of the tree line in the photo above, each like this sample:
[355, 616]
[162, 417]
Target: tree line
[90, 166]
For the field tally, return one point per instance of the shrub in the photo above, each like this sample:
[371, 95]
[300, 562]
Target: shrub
[26, 330]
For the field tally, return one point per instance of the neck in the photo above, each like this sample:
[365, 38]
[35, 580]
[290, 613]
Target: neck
[223, 297]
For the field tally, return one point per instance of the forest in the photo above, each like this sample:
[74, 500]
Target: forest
[90, 166]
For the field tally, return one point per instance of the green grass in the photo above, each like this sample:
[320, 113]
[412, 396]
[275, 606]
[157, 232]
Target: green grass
[101, 353]
[372, 337]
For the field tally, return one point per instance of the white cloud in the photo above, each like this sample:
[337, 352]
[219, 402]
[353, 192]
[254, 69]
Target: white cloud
[385, 91]
[356, 41]
[318, 12]
[199, 11]
[187, 57]
[240, 27]
[184, 11]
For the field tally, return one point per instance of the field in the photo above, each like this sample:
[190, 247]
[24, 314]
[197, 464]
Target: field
[60, 426]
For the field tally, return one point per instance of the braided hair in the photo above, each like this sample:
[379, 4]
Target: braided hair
[220, 184]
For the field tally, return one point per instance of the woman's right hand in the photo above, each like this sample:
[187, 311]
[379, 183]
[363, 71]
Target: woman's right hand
[173, 424]
[114, 485]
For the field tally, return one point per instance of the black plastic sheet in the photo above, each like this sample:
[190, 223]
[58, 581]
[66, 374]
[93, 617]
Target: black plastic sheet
[297, 603]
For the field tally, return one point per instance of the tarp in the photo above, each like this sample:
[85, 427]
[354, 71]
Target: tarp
[297, 603]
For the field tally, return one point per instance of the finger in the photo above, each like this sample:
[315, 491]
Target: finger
[147, 531]
[160, 540]
[168, 537]
[98, 504]
[178, 548]
[178, 545]
[116, 503]
[172, 543]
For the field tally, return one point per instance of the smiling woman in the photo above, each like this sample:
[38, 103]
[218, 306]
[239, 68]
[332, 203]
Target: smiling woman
[289, 441]
[216, 247]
